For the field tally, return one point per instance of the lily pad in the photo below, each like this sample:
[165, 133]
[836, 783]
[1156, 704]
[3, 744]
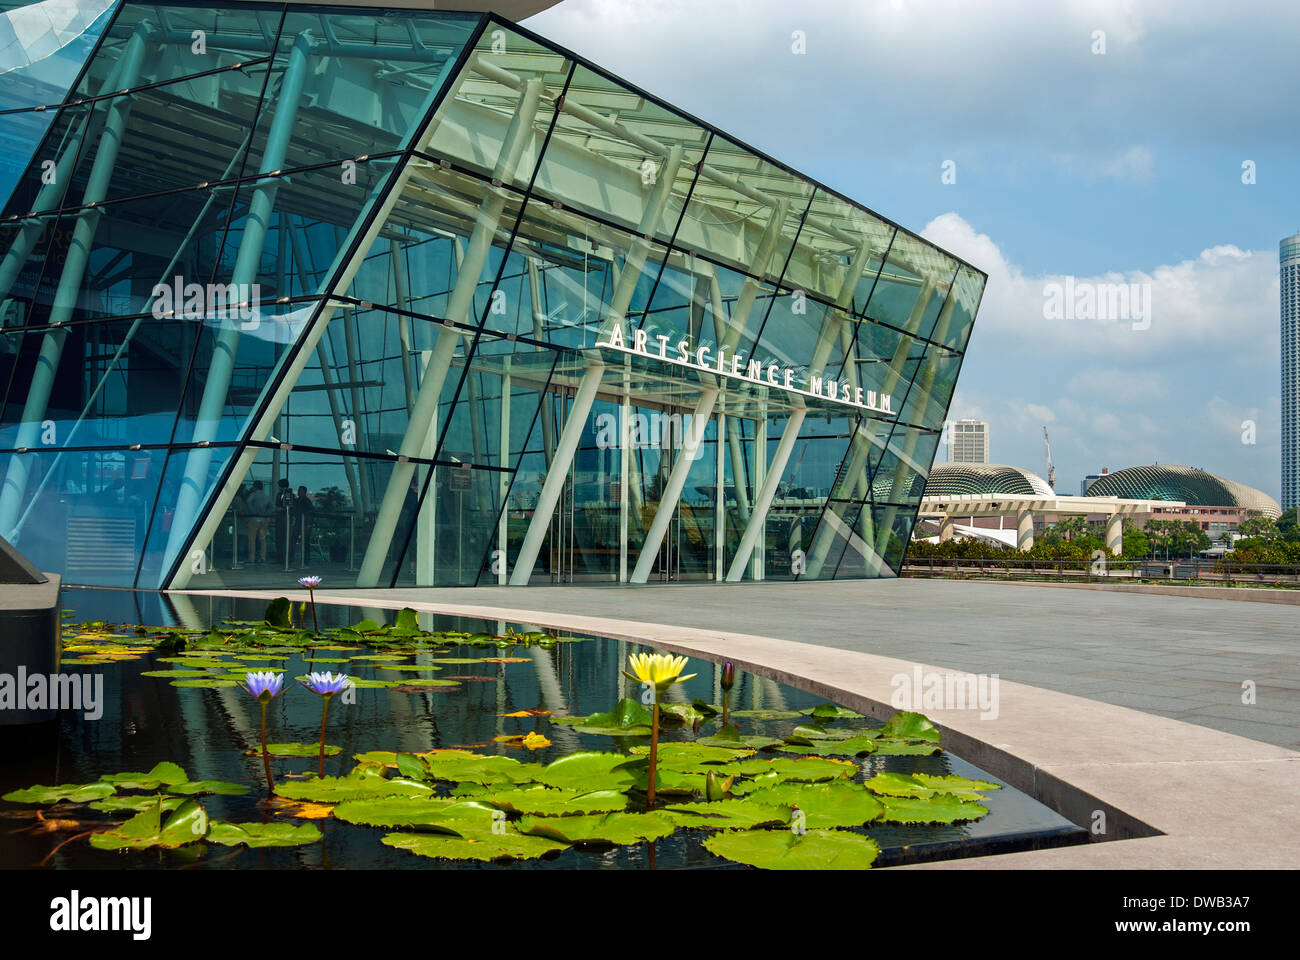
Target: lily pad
[729, 814]
[394, 811]
[765, 714]
[337, 789]
[214, 684]
[890, 747]
[807, 769]
[72, 792]
[507, 844]
[807, 734]
[135, 804]
[696, 753]
[830, 711]
[475, 768]
[588, 771]
[787, 850]
[186, 824]
[296, 750]
[731, 737]
[262, 834]
[545, 802]
[852, 747]
[628, 718]
[218, 787]
[824, 805]
[941, 808]
[910, 726]
[616, 828]
[162, 773]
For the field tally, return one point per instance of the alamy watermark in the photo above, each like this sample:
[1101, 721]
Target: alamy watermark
[923, 691]
[1083, 300]
[217, 301]
[664, 431]
[53, 691]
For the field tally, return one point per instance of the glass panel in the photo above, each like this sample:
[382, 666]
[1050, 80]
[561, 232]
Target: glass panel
[912, 286]
[965, 296]
[584, 280]
[620, 156]
[745, 211]
[509, 80]
[43, 46]
[152, 43]
[190, 478]
[353, 84]
[82, 513]
[455, 528]
[443, 225]
[20, 135]
[927, 401]
[115, 383]
[839, 252]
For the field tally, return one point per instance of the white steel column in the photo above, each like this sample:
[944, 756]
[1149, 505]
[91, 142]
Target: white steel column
[424, 413]
[503, 481]
[556, 475]
[1025, 530]
[691, 441]
[1115, 534]
[758, 518]
[624, 466]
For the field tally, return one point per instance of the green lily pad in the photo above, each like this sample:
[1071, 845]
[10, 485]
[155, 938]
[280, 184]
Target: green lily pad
[787, 850]
[941, 808]
[177, 674]
[262, 834]
[910, 726]
[324, 660]
[394, 811]
[808, 734]
[135, 804]
[729, 814]
[545, 802]
[695, 752]
[507, 844]
[807, 769]
[953, 782]
[381, 656]
[296, 750]
[186, 824]
[731, 737]
[214, 684]
[72, 792]
[852, 747]
[475, 768]
[765, 714]
[338, 789]
[902, 785]
[616, 828]
[162, 773]
[830, 711]
[824, 805]
[218, 787]
[588, 771]
[890, 747]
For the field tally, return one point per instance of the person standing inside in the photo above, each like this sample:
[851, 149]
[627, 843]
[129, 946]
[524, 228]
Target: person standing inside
[258, 506]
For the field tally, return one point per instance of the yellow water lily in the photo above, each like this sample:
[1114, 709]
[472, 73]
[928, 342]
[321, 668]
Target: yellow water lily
[660, 670]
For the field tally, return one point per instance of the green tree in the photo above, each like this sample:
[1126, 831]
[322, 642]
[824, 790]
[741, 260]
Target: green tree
[1071, 528]
[1259, 526]
[1287, 527]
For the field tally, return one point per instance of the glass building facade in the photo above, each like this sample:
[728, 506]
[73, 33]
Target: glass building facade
[417, 297]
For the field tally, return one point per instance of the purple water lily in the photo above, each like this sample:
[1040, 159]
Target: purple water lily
[327, 684]
[311, 583]
[264, 685]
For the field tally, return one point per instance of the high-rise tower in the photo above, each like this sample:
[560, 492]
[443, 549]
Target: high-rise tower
[1289, 257]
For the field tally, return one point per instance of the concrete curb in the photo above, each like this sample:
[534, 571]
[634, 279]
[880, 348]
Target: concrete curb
[1179, 795]
[1248, 594]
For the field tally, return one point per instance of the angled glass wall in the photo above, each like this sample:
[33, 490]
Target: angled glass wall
[416, 297]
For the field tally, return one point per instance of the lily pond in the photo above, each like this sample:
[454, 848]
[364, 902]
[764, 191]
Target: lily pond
[464, 744]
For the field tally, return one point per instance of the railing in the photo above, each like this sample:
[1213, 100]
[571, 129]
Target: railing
[302, 539]
[1218, 572]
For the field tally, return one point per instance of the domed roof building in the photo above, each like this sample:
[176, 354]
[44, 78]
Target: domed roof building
[954, 478]
[1195, 487]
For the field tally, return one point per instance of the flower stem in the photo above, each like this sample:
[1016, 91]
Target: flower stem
[324, 708]
[315, 627]
[726, 695]
[654, 755]
[266, 758]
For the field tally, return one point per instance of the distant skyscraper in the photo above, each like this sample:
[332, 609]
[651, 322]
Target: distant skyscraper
[968, 442]
[1289, 256]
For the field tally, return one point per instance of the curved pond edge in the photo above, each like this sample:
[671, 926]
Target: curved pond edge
[1178, 795]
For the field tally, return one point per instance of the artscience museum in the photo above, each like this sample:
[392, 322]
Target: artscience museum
[416, 297]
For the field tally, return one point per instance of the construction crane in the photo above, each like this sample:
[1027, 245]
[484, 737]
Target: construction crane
[1051, 470]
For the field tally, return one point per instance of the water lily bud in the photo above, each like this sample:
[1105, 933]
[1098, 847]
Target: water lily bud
[728, 675]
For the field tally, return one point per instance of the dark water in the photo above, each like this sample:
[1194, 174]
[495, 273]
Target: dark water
[207, 731]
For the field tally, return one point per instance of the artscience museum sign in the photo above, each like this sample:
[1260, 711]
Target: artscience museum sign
[737, 366]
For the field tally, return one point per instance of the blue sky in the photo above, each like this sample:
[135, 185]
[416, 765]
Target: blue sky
[1122, 166]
